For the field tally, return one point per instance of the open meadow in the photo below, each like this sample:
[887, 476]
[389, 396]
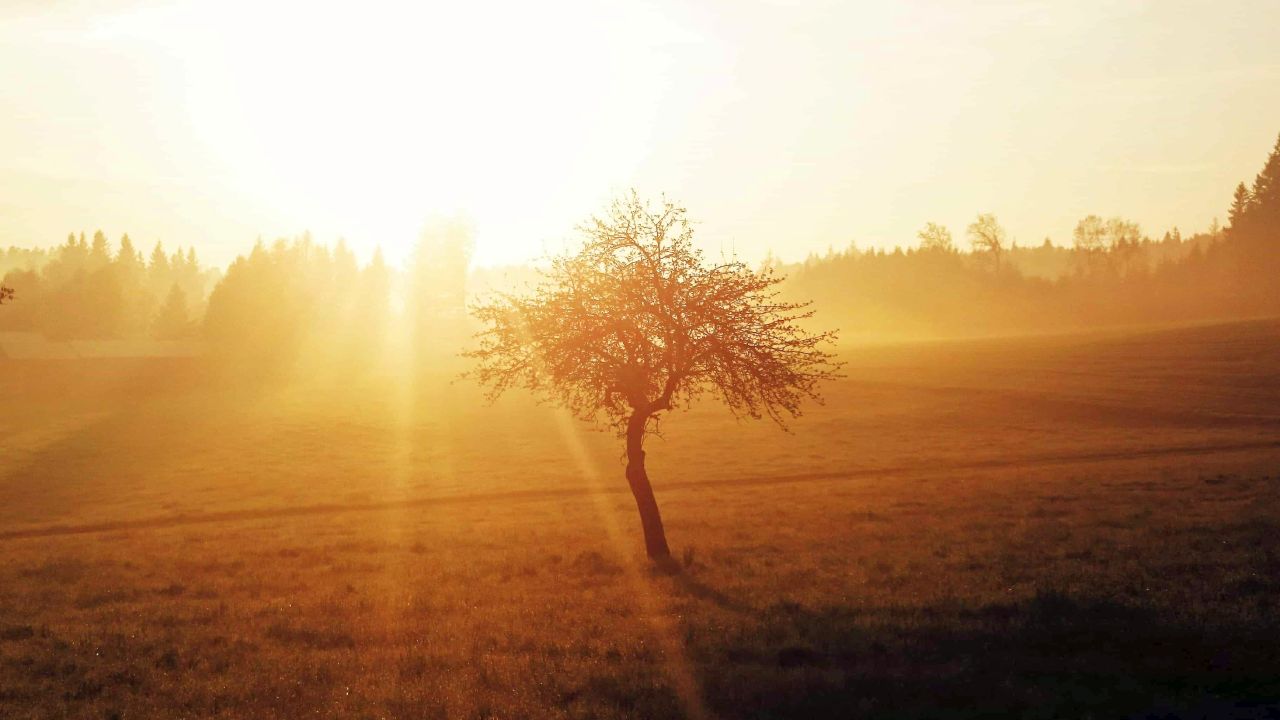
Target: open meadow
[1060, 526]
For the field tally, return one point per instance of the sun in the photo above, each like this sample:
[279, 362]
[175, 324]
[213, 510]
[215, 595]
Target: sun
[363, 120]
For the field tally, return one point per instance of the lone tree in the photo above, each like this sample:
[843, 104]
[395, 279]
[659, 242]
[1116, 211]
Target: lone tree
[637, 322]
[986, 236]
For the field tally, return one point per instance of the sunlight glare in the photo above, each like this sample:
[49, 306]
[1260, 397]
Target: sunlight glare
[362, 121]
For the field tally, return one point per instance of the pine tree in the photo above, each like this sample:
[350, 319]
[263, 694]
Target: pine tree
[160, 271]
[1241, 204]
[1266, 188]
[159, 267]
[1261, 234]
[128, 257]
[99, 253]
[74, 255]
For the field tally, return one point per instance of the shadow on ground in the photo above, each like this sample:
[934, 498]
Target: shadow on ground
[1052, 656]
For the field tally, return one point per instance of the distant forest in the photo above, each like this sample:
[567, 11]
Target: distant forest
[1111, 274]
[295, 299]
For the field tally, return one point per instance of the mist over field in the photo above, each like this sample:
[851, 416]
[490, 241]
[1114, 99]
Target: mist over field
[648, 361]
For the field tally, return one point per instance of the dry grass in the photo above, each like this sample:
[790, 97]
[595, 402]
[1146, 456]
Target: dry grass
[1053, 528]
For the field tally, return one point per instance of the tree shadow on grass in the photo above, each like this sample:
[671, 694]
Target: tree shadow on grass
[692, 587]
[1051, 656]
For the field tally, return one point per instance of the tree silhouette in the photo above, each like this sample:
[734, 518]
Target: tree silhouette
[636, 322]
[935, 238]
[1123, 237]
[986, 235]
[1090, 239]
[128, 259]
[159, 267]
[1266, 189]
[99, 253]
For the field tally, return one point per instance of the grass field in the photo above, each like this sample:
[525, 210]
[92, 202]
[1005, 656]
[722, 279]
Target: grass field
[1072, 526]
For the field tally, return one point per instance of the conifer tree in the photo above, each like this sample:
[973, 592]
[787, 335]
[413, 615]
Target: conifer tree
[128, 256]
[159, 266]
[935, 238]
[1266, 189]
[99, 253]
[1241, 204]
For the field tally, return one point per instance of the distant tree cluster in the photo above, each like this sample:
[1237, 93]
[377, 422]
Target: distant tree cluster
[1111, 273]
[288, 305]
[297, 301]
[1253, 253]
[19, 258]
[298, 305]
[90, 289]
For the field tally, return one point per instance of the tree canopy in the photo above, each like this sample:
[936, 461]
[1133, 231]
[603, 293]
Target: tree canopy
[638, 321]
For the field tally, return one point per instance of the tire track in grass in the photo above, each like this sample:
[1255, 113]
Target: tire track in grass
[921, 469]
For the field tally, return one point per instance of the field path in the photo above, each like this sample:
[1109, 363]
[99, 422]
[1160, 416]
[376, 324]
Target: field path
[919, 469]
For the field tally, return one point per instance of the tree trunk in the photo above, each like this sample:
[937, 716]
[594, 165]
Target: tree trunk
[655, 538]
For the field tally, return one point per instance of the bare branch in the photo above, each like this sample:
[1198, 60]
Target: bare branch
[638, 322]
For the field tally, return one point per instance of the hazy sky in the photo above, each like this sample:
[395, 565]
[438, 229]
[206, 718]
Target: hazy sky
[785, 125]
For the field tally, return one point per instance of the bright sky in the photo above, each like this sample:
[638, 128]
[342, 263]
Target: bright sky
[790, 126]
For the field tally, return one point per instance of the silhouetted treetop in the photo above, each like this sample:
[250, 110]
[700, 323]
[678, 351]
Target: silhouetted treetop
[1266, 186]
[637, 322]
[986, 236]
[935, 238]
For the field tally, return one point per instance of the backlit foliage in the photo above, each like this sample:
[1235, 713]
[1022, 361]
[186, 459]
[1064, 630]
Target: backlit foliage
[638, 321]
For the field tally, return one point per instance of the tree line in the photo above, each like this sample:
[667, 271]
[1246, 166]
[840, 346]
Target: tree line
[94, 289]
[297, 305]
[1111, 273]
[296, 300]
